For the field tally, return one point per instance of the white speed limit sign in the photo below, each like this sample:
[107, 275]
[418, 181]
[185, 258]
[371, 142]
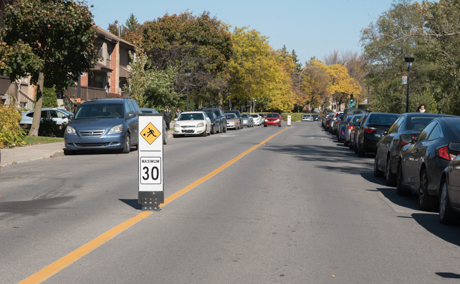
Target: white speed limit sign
[151, 187]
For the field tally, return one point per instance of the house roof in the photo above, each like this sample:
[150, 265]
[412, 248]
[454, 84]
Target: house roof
[101, 33]
[101, 67]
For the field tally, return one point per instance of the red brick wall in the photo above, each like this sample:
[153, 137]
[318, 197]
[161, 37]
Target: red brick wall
[84, 79]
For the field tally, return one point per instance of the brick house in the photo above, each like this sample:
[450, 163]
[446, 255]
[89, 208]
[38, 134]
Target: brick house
[105, 79]
[111, 71]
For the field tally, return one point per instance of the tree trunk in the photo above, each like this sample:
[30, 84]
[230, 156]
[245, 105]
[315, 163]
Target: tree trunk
[38, 106]
[220, 99]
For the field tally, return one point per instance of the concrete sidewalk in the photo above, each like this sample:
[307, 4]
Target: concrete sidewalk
[30, 153]
[35, 152]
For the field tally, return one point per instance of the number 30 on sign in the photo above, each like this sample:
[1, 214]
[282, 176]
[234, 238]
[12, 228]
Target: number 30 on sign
[150, 170]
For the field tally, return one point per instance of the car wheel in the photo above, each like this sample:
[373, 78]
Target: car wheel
[279, 125]
[265, 125]
[225, 129]
[350, 145]
[213, 130]
[400, 189]
[446, 214]
[377, 172]
[127, 146]
[205, 133]
[426, 202]
[346, 143]
[175, 135]
[390, 178]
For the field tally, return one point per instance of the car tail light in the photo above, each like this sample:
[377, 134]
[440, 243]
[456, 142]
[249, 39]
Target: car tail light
[350, 127]
[343, 133]
[336, 122]
[443, 153]
[369, 129]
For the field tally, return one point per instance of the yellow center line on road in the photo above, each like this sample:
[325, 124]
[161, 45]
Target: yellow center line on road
[65, 261]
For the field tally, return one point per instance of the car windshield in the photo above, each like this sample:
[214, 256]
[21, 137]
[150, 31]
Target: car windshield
[191, 116]
[418, 123]
[146, 111]
[273, 115]
[383, 118]
[100, 111]
[254, 115]
[230, 116]
[244, 115]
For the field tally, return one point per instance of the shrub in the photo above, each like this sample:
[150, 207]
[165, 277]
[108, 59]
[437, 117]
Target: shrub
[11, 133]
[47, 127]
[49, 98]
[297, 116]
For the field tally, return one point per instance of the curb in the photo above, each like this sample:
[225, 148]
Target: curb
[54, 154]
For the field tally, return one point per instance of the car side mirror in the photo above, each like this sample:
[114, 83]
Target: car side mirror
[131, 115]
[385, 132]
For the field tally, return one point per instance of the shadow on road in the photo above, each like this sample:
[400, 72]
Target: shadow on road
[431, 223]
[132, 202]
[403, 201]
[448, 275]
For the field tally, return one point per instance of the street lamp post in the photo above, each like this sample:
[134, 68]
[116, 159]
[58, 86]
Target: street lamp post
[187, 73]
[409, 61]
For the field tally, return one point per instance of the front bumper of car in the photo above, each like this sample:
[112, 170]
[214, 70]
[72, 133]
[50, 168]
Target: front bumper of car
[272, 122]
[92, 140]
[189, 129]
[231, 124]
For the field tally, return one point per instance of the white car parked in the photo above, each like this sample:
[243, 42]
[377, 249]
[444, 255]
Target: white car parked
[61, 116]
[258, 119]
[192, 123]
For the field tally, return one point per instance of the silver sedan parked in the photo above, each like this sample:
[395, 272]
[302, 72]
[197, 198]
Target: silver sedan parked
[233, 121]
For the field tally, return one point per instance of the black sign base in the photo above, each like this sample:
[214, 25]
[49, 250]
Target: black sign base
[150, 200]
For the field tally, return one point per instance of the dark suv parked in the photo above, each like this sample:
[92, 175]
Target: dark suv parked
[220, 116]
[103, 124]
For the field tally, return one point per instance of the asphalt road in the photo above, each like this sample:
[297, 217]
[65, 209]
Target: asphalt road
[298, 209]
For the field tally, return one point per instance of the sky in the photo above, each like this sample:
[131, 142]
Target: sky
[311, 28]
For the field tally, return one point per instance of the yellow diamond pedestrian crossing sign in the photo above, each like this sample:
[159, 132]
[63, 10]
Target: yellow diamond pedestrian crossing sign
[150, 133]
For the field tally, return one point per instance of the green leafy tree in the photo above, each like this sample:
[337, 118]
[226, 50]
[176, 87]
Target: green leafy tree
[200, 43]
[160, 91]
[49, 98]
[55, 38]
[139, 77]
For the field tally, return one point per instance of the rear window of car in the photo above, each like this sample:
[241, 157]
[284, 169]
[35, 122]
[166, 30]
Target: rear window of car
[191, 116]
[383, 118]
[272, 115]
[356, 118]
[100, 111]
[245, 115]
[230, 116]
[254, 115]
[418, 123]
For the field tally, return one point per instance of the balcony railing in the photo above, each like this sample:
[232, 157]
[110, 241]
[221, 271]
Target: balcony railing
[87, 93]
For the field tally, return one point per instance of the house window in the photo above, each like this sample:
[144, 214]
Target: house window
[100, 80]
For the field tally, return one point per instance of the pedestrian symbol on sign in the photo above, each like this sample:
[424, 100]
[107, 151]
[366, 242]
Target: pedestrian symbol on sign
[150, 133]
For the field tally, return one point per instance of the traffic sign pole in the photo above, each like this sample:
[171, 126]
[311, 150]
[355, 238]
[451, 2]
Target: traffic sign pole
[150, 161]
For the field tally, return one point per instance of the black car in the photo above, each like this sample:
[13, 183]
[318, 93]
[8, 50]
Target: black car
[237, 112]
[371, 131]
[347, 113]
[216, 123]
[220, 116]
[355, 131]
[408, 126]
[449, 200]
[422, 162]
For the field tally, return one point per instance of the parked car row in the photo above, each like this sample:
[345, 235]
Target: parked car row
[415, 152]
[212, 120]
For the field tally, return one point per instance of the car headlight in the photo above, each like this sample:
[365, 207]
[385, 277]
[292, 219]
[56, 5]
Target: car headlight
[201, 124]
[70, 130]
[116, 129]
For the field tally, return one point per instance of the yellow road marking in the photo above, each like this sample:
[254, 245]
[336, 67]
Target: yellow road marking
[67, 260]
